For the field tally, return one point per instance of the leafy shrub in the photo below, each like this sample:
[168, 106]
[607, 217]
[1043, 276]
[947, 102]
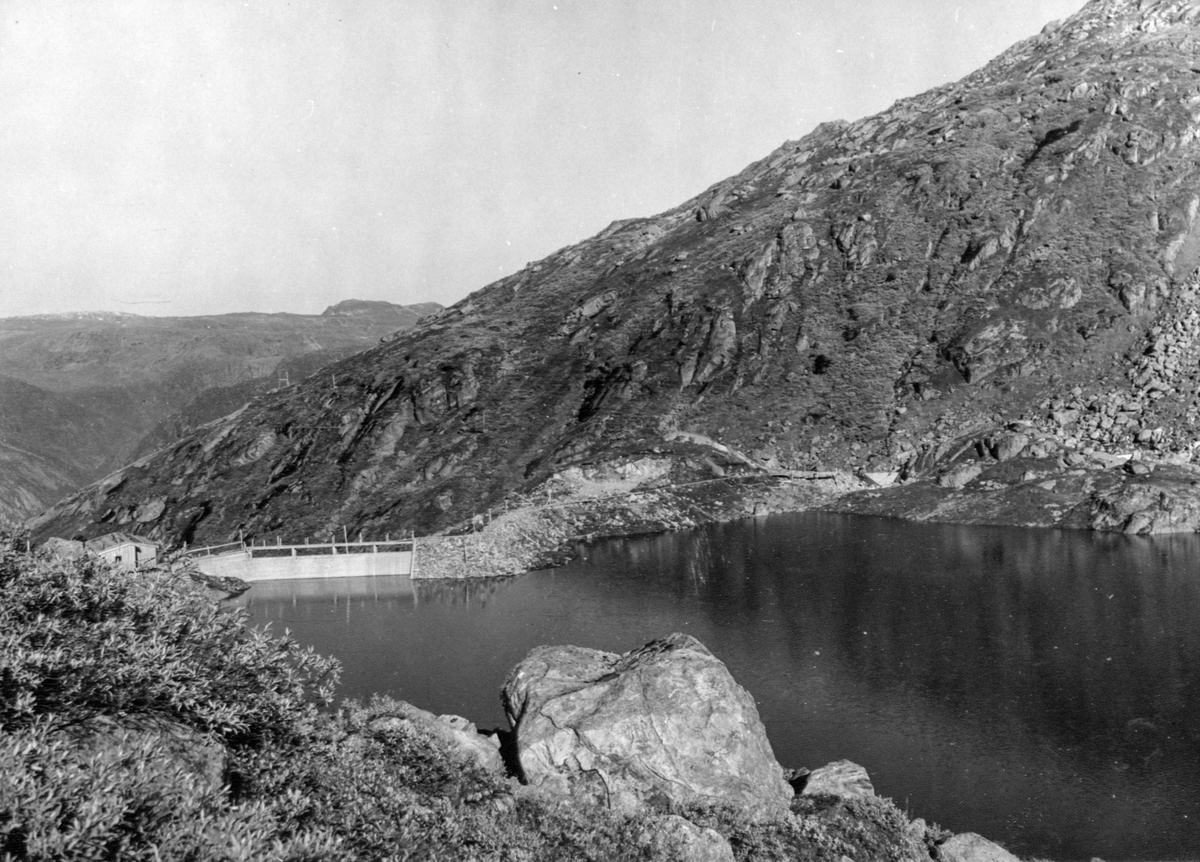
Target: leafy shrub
[79, 640]
[119, 694]
[134, 799]
[395, 792]
[392, 793]
[823, 829]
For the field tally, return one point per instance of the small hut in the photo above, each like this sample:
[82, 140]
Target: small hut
[124, 550]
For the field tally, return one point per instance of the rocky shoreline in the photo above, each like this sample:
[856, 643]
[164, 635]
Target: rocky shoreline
[998, 479]
[1134, 497]
[622, 498]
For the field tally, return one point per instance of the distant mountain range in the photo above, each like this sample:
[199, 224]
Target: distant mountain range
[84, 393]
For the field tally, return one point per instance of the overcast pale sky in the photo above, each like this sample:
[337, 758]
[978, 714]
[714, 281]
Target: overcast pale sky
[210, 156]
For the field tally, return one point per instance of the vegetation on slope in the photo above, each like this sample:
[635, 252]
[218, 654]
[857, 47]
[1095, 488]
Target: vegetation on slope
[140, 721]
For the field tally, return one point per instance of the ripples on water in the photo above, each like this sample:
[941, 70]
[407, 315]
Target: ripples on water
[1036, 686]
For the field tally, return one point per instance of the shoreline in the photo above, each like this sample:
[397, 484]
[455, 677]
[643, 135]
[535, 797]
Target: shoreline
[1098, 493]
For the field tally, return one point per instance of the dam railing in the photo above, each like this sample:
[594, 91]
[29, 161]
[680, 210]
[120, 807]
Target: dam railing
[255, 551]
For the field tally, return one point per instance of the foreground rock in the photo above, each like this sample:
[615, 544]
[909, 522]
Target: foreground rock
[663, 724]
[841, 778]
[969, 847]
[458, 735]
[226, 586]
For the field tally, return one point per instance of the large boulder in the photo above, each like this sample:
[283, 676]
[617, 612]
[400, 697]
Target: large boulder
[665, 723]
[961, 475]
[1147, 506]
[841, 778]
[1009, 446]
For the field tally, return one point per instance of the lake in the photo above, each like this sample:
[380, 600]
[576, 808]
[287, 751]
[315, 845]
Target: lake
[1039, 687]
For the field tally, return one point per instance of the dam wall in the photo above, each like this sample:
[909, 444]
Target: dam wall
[296, 562]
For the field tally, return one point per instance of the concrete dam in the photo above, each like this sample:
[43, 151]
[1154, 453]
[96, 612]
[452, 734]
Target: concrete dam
[281, 562]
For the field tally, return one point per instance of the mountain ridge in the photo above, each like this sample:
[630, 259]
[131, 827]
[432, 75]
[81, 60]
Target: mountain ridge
[882, 295]
[80, 391]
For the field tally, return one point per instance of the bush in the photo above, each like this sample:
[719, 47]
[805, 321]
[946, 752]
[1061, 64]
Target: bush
[132, 799]
[395, 792]
[120, 695]
[389, 792]
[80, 640]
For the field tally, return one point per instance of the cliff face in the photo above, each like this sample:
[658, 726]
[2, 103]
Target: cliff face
[82, 394]
[1019, 245]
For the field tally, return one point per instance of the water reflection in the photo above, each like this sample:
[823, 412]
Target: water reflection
[281, 600]
[1039, 687]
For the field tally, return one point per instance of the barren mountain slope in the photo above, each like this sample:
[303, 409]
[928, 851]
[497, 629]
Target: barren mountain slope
[50, 445]
[1019, 245]
[80, 392]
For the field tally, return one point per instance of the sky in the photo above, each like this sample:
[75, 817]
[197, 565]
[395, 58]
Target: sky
[212, 156]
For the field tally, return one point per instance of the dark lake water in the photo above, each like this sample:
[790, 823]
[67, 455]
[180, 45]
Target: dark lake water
[1039, 687]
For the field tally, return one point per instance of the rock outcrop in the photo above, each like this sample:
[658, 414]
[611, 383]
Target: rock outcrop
[457, 734]
[1096, 491]
[1019, 247]
[841, 778]
[63, 548]
[969, 847]
[663, 724]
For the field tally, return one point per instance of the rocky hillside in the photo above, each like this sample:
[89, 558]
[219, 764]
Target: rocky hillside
[82, 394]
[1016, 247]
